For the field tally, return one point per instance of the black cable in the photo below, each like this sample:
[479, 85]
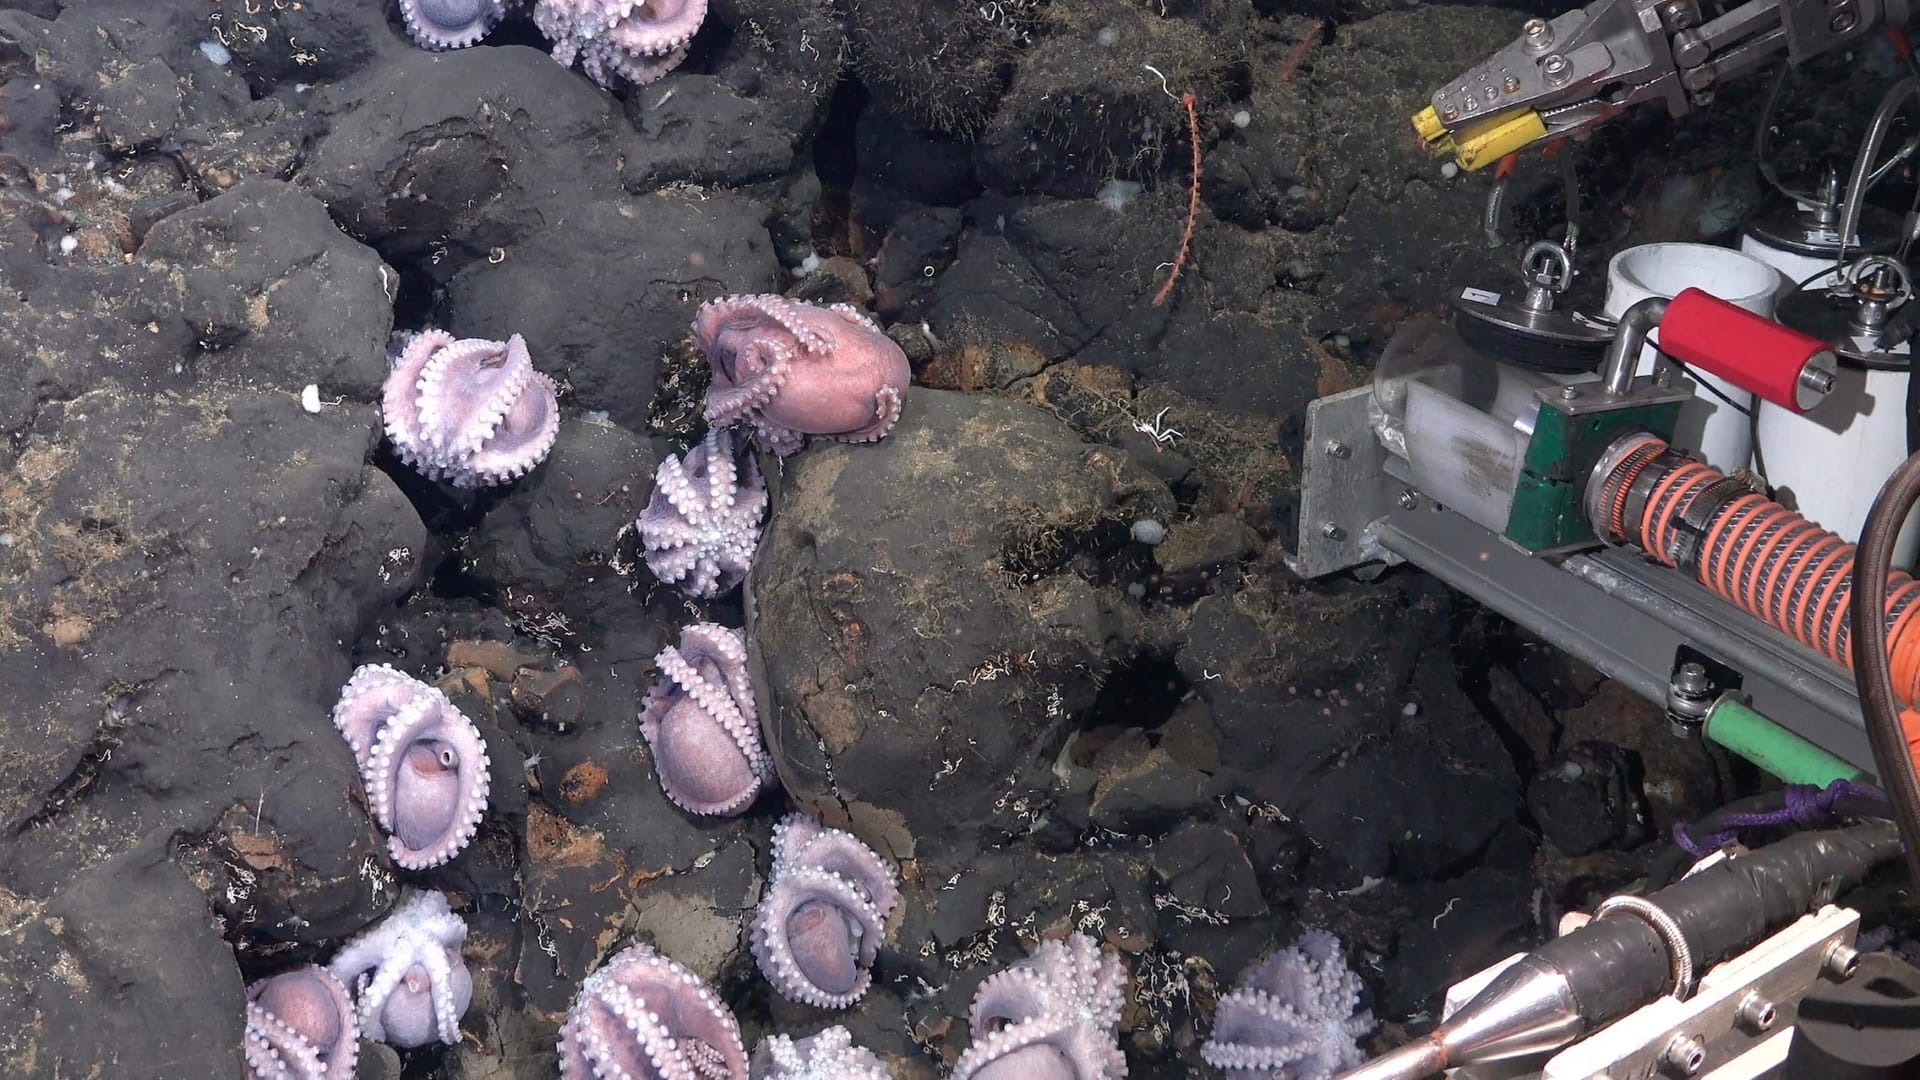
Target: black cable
[1764, 130]
[1710, 388]
[1872, 669]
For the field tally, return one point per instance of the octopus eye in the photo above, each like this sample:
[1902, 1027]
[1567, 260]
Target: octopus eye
[432, 757]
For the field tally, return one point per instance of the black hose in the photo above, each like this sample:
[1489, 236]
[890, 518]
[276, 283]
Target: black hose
[1872, 670]
[1617, 964]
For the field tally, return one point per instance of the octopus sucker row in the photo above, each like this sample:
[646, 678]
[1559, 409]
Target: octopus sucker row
[817, 931]
[1294, 1016]
[702, 523]
[788, 369]
[407, 971]
[1052, 1016]
[421, 760]
[471, 412]
[408, 975]
[699, 720]
[450, 24]
[300, 1027]
[644, 1016]
[615, 39]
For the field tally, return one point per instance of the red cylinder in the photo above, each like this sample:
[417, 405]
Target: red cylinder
[1750, 351]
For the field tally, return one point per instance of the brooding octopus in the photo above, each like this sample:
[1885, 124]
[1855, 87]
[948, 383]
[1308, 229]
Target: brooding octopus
[643, 1016]
[638, 40]
[818, 929]
[407, 970]
[300, 1026]
[421, 760]
[701, 525]
[450, 24]
[700, 722]
[790, 369]
[1295, 1016]
[471, 412]
[829, 1055]
[1052, 1016]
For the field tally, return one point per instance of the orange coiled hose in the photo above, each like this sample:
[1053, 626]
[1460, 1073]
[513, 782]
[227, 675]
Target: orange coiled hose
[1754, 553]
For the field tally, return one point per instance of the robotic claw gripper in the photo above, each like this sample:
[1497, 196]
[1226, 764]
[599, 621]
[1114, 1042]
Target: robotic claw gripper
[1567, 73]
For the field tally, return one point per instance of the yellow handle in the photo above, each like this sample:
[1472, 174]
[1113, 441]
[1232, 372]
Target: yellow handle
[1483, 143]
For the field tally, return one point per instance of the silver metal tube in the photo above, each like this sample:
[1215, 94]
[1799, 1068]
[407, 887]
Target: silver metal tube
[1623, 356]
[1856, 200]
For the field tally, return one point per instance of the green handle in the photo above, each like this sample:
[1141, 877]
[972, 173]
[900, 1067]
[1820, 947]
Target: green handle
[1773, 748]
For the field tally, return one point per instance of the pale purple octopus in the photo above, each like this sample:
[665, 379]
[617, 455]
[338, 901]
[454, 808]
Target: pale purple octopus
[1052, 1016]
[790, 369]
[638, 40]
[829, 1055]
[643, 1016]
[469, 411]
[300, 1027]
[1294, 1016]
[699, 719]
[451, 24]
[701, 525]
[407, 971]
[422, 762]
[818, 928]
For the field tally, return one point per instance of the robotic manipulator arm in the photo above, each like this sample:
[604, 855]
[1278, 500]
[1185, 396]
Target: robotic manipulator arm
[1568, 73]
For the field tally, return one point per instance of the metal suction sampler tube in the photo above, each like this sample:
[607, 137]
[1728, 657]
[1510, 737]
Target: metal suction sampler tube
[1787, 368]
[1637, 949]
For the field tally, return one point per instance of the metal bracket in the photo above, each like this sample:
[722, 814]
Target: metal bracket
[1722, 1022]
[1631, 619]
[1739, 1020]
[1344, 487]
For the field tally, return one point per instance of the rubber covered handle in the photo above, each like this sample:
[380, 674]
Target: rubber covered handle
[1750, 351]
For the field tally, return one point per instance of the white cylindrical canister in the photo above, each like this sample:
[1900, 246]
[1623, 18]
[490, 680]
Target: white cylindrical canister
[1716, 428]
[1829, 464]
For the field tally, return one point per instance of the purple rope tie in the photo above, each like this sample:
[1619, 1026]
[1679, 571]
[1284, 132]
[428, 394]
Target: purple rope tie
[1806, 806]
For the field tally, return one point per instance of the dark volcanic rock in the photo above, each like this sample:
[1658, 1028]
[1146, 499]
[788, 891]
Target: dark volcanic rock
[698, 130]
[1334, 706]
[1077, 279]
[1082, 110]
[275, 45]
[140, 106]
[255, 288]
[1427, 793]
[1327, 149]
[1456, 928]
[121, 973]
[921, 633]
[1587, 797]
[183, 578]
[562, 535]
[937, 66]
[602, 292]
[437, 159]
[274, 294]
[785, 54]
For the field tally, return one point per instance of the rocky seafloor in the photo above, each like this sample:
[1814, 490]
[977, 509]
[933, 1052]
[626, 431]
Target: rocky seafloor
[963, 653]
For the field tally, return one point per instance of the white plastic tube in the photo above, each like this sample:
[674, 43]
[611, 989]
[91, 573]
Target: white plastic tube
[1717, 431]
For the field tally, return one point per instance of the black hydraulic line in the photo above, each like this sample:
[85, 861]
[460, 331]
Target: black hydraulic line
[1619, 962]
[1872, 668]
